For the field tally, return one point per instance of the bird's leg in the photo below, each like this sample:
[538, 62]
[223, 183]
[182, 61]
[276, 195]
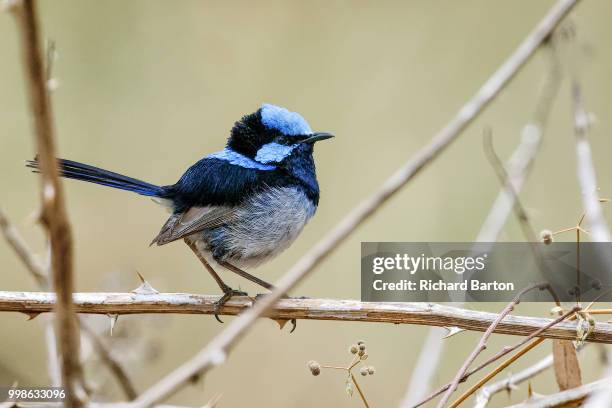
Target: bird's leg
[246, 275]
[227, 291]
[256, 280]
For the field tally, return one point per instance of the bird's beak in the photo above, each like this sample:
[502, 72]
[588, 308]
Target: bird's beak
[318, 136]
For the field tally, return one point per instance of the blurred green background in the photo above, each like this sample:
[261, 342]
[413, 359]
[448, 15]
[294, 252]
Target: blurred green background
[149, 87]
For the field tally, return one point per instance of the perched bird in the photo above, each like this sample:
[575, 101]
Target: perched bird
[238, 207]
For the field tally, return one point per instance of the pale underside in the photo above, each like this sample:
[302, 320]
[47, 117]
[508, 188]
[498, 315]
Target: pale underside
[246, 235]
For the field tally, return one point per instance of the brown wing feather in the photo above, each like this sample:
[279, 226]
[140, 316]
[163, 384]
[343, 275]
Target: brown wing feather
[191, 221]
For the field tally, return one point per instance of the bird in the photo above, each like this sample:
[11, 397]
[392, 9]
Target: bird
[238, 207]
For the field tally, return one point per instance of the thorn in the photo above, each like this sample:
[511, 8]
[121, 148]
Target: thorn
[113, 320]
[294, 323]
[451, 331]
[142, 280]
[530, 391]
[145, 288]
[281, 322]
[32, 315]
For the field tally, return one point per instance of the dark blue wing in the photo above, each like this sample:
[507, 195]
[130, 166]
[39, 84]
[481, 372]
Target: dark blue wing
[216, 182]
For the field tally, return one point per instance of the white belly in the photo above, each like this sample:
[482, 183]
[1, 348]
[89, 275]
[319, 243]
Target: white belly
[261, 228]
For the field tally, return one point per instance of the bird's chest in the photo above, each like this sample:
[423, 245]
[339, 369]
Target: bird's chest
[262, 227]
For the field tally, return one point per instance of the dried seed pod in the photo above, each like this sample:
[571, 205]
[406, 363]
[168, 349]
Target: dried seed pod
[314, 367]
[354, 349]
[546, 236]
[362, 347]
[371, 370]
[363, 371]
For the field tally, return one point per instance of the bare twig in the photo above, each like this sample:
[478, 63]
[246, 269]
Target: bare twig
[425, 367]
[485, 394]
[361, 394]
[505, 364]
[578, 394]
[502, 175]
[53, 215]
[27, 256]
[113, 365]
[524, 155]
[586, 171]
[216, 351]
[482, 344]
[427, 314]
[505, 351]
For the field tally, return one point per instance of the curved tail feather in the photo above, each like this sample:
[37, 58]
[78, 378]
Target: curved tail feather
[80, 171]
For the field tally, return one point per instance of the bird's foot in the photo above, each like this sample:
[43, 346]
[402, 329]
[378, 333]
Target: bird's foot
[228, 293]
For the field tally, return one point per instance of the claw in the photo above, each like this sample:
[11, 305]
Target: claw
[294, 323]
[228, 293]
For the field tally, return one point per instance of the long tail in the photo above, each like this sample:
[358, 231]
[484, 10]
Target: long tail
[79, 171]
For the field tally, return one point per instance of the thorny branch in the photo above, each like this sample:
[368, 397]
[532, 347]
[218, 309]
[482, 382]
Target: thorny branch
[54, 216]
[484, 395]
[427, 314]
[578, 394]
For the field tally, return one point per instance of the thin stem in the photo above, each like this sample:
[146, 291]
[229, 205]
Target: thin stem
[363, 398]
[495, 371]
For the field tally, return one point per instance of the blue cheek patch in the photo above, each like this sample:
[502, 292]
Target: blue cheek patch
[286, 122]
[273, 153]
[237, 159]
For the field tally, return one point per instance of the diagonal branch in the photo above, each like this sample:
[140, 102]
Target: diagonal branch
[106, 355]
[216, 351]
[54, 216]
[484, 395]
[524, 155]
[586, 171]
[25, 254]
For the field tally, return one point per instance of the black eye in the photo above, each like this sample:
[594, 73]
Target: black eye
[286, 140]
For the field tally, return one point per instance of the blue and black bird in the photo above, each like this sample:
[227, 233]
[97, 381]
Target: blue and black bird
[238, 207]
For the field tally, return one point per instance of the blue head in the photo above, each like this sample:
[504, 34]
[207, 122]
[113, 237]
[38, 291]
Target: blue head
[274, 137]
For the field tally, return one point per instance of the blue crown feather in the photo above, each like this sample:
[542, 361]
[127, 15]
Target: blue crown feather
[287, 122]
